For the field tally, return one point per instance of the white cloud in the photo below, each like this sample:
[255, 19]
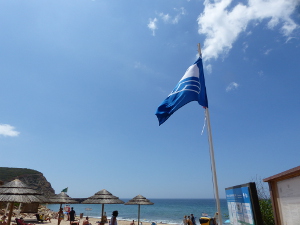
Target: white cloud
[152, 25]
[232, 86]
[175, 19]
[245, 46]
[166, 18]
[8, 130]
[289, 38]
[222, 27]
[140, 66]
[267, 51]
[137, 65]
[208, 68]
[260, 73]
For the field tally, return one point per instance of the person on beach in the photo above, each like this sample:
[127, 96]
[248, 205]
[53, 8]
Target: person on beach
[67, 210]
[86, 222]
[113, 220]
[216, 218]
[104, 219]
[132, 223]
[189, 221]
[3, 220]
[193, 219]
[184, 221]
[61, 215]
[72, 215]
[21, 222]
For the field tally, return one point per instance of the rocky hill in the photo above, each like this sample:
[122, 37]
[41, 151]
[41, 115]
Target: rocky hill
[33, 178]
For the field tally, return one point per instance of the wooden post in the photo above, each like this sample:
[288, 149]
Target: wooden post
[139, 214]
[10, 212]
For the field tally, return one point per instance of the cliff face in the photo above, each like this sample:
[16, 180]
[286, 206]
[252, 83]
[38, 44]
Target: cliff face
[33, 178]
[38, 182]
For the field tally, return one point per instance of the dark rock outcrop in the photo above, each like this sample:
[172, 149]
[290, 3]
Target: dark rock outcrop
[33, 178]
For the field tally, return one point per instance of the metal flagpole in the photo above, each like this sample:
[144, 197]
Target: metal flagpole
[213, 166]
[212, 158]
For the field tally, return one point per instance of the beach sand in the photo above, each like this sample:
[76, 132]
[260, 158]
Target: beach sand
[93, 221]
[30, 219]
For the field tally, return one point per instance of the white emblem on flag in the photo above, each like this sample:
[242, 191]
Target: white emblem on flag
[189, 85]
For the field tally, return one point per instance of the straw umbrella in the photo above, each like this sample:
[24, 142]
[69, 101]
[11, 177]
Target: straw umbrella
[62, 198]
[18, 192]
[103, 197]
[139, 200]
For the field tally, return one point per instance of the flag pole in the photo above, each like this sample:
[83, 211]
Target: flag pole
[212, 158]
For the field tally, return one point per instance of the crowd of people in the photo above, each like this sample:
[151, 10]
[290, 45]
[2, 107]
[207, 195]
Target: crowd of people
[189, 220]
[71, 215]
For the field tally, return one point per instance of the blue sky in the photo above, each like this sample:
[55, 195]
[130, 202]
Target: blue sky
[81, 81]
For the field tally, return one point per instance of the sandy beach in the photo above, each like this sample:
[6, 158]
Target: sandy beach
[93, 221]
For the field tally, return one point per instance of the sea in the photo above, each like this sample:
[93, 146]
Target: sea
[170, 211]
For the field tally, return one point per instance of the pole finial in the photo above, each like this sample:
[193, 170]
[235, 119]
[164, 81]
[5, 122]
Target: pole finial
[199, 49]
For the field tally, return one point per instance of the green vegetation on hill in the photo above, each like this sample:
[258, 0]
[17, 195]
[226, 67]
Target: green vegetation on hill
[8, 174]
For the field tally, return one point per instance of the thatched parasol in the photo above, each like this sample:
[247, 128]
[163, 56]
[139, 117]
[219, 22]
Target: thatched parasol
[62, 198]
[103, 197]
[17, 191]
[139, 200]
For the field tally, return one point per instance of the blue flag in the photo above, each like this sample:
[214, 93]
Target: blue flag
[191, 87]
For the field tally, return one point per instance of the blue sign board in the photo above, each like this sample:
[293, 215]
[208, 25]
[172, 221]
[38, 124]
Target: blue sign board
[240, 204]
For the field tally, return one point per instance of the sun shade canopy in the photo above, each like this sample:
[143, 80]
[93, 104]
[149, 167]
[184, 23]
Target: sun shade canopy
[17, 191]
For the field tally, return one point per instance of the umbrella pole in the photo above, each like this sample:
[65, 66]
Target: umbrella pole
[19, 209]
[6, 208]
[102, 222]
[139, 215]
[10, 212]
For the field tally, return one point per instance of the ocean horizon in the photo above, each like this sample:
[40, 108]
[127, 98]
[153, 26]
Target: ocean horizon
[164, 210]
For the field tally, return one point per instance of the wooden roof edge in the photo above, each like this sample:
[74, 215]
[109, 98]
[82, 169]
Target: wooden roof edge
[284, 175]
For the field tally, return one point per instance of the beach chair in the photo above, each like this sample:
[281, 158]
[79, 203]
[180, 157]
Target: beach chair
[38, 218]
[20, 222]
